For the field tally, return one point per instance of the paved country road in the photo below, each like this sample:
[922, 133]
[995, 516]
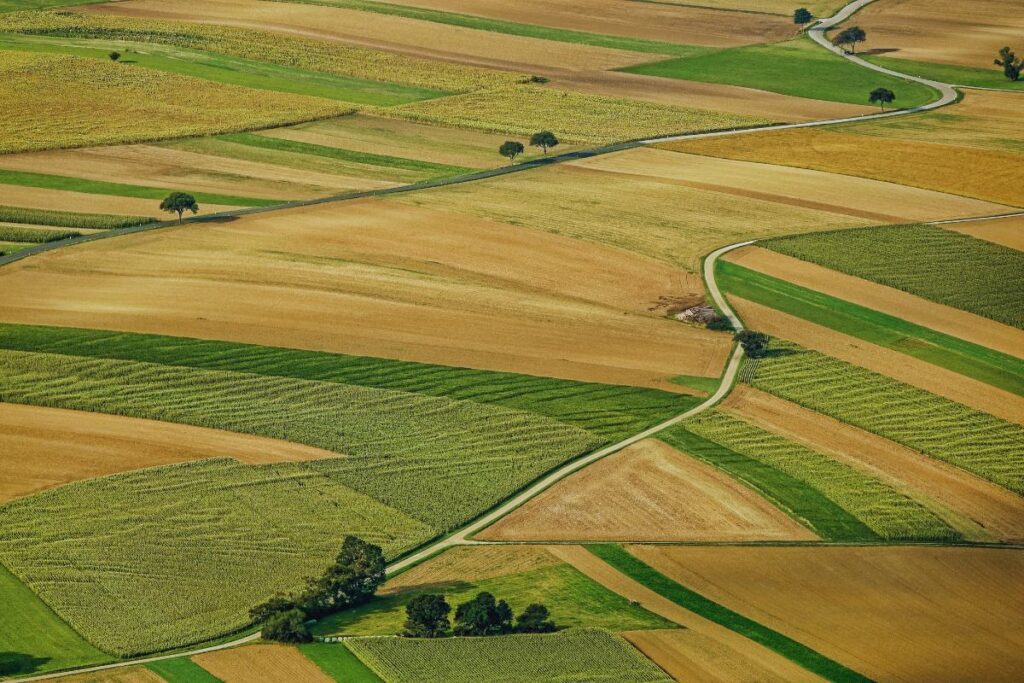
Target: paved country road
[462, 536]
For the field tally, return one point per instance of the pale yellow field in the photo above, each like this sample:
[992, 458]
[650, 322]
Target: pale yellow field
[951, 321]
[647, 492]
[472, 563]
[1008, 232]
[47, 447]
[62, 200]
[944, 31]
[264, 663]
[892, 614]
[820, 8]
[980, 510]
[383, 279]
[131, 674]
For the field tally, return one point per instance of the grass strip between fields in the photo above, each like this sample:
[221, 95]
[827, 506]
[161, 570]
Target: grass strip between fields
[68, 219]
[952, 353]
[991, 77]
[338, 662]
[792, 650]
[181, 670]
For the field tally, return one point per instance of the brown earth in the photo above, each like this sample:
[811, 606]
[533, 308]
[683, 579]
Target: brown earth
[131, 674]
[946, 319]
[892, 614]
[907, 369]
[263, 663]
[980, 510]
[1008, 232]
[473, 563]
[392, 33]
[61, 200]
[47, 447]
[709, 652]
[647, 492]
[383, 279]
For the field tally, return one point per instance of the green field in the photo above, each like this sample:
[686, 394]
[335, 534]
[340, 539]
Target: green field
[338, 662]
[798, 67]
[887, 513]
[574, 656]
[68, 219]
[17, 5]
[181, 670]
[976, 441]
[941, 265]
[969, 359]
[32, 638]
[813, 661]
[991, 77]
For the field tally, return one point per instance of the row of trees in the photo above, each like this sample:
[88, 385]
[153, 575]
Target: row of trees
[543, 140]
[427, 617]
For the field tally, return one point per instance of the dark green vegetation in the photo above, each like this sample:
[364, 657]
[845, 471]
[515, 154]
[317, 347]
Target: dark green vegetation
[178, 203]
[32, 638]
[12, 233]
[949, 73]
[798, 68]
[787, 647]
[1010, 63]
[976, 441]
[181, 670]
[338, 662]
[68, 219]
[511, 27]
[973, 360]
[941, 265]
[17, 5]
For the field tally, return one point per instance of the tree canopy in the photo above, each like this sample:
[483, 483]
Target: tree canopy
[179, 203]
[544, 139]
[1012, 65]
[802, 16]
[882, 96]
[426, 616]
[483, 616]
[510, 149]
[755, 344]
[850, 37]
[535, 619]
[287, 627]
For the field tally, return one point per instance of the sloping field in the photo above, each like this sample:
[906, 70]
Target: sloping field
[947, 31]
[1008, 232]
[269, 663]
[989, 175]
[47, 447]
[974, 507]
[21, 197]
[582, 655]
[384, 279]
[907, 614]
[75, 88]
[131, 674]
[647, 492]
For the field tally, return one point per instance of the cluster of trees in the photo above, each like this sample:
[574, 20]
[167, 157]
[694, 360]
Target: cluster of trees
[755, 344]
[352, 580]
[427, 617]
[544, 140]
[1011, 63]
[849, 37]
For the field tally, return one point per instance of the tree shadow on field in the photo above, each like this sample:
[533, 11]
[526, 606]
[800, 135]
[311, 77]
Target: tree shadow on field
[879, 51]
[20, 663]
[777, 353]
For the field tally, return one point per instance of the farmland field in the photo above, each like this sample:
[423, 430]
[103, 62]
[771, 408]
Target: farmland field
[270, 663]
[181, 670]
[339, 663]
[1008, 232]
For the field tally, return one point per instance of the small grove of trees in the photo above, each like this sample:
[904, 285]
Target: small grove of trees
[427, 617]
[352, 580]
[1011, 63]
[510, 149]
[755, 344]
[802, 16]
[544, 139]
[849, 37]
[882, 97]
[179, 203]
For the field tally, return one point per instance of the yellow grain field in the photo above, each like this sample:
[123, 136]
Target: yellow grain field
[264, 663]
[137, 104]
[86, 202]
[647, 492]
[891, 614]
[1008, 232]
[131, 674]
[472, 563]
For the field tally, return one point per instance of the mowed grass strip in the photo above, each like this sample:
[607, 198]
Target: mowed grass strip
[975, 441]
[973, 360]
[941, 265]
[181, 670]
[792, 650]
[338, 662]
[950, 73]
[575, 655]
[612, 412]
[32, 638]
[68, 219]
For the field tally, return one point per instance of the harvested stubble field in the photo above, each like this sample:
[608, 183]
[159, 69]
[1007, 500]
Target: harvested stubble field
[131, 674]
[577, 655]
[74, 88]
[50, 202]
[1008, 232]
[48, 447]
[990, 175]
[908, 614]
[384, 279]
[976, 441]
[819, 8]
[977, 509]
[265, 663]
[647, 492]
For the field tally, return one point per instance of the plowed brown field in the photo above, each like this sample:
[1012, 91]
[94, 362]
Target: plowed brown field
[1008, 232]
[647, 492]
[47, 447]
[892, 614]
[264, 663]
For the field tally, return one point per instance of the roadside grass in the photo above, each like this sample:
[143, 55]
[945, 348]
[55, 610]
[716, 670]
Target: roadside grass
[798, 67]
[181, 670]
[972, 360]
[612, 412]
[35, 640]
[12, 247]
[68, 219]
[792, 650]
[991, 77]
[338, 662]
[708, 385]
[11, 233]
[71, 184]
[572, 656]
[972, 440]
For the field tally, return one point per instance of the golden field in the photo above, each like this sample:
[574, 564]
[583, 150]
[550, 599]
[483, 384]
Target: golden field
[265, 663]
[1008, 232]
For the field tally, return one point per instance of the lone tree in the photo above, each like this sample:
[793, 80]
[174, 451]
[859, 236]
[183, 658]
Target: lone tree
[535, 619]
[755, 344]
[511, 149]
[287, 627]
[357, 572]
[179, 203]
[802, 16]
[882, 96]
[544, 139]
[114, 56]
[850, 37]
[483, 616]
[1012, 65]
[426, 616]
